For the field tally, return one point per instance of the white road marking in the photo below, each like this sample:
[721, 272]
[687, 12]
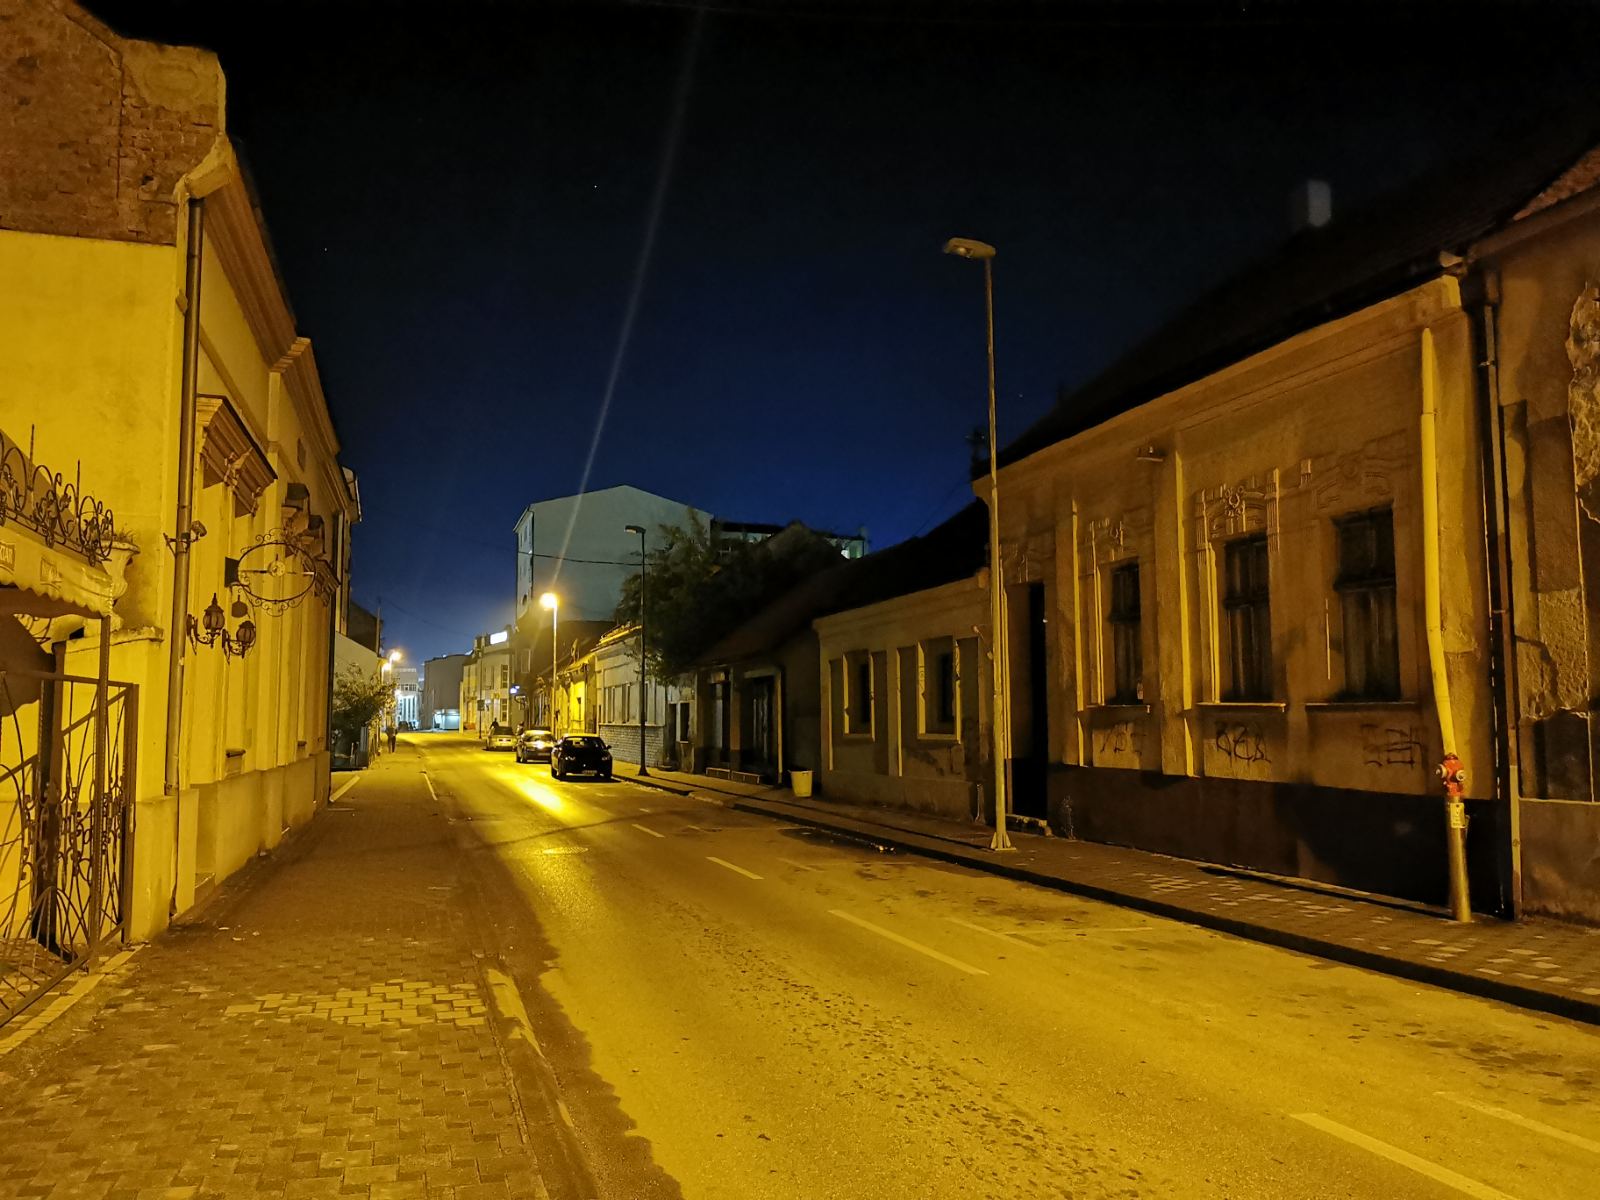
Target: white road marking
[647, 829]
[431, 792]
[994, 933]
[647, 810]
[908, 943]
[724, 863]
[1468, 1187]
[799, 866]
[353, 781]
[566, 850]
[1506, 1114]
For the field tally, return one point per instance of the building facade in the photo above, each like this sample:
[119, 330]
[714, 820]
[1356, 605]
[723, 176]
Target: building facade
[578, 548]
[202, 423]
[441, 692]
[1256, 572]
[407, 697]
[906, 701]
[486, 697]
[600, 693]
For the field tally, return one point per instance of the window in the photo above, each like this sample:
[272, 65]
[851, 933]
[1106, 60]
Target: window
[858, 698]
[938, 699]
[505, 674]
[1127, 644]
[1365, 584]
[1247, 607]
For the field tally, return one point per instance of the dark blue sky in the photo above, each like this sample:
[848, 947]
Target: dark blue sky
[459, 194]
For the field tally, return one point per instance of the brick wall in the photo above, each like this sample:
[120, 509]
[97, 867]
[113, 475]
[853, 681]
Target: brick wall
[624, 742]
[95, 129]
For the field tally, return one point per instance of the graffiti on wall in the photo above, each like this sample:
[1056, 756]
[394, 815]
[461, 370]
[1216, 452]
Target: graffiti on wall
[1123, 737]
[1388, 746]
[1241, 742]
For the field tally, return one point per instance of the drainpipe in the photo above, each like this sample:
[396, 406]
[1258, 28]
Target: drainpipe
[1502, 650]
[183, 531]
[1452, 773]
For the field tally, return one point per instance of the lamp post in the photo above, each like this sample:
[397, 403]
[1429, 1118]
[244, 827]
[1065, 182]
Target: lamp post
[639, 529]
[999, 643]
[553, 602]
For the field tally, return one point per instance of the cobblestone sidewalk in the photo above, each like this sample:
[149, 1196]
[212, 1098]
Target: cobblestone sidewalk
[322, 1030]
[1545, 965]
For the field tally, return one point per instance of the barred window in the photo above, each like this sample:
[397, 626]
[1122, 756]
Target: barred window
[1127, 645]
[1365, 584]
[1247, 605]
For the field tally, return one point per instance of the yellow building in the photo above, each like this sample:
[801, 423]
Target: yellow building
[148, 340]
[1224, 640]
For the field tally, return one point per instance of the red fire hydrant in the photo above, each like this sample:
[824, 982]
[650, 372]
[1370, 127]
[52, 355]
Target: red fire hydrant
[1454, 777]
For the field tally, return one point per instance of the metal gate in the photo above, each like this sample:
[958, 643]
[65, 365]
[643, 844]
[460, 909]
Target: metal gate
[66, 786]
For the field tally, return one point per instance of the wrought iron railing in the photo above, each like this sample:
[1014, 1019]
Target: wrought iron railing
[52, 506]
[66, 789]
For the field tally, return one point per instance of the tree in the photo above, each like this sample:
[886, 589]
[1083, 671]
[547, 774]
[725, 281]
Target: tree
[700, 587]
[359, 700]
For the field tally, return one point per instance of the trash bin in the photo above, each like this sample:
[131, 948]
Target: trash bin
[800, 783]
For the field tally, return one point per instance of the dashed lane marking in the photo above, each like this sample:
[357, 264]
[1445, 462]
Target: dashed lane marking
[1505, 1114]
[908, 943]
[722, 862]
[647, 829]
[799, 866]
[994, 933]
[1444, 1175]
[431, 792]
[354, 779]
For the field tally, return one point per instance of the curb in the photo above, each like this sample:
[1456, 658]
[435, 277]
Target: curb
[1570, 1007]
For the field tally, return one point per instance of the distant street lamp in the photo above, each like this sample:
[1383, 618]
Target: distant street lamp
[553, 602]
[639, 529]
[1000, 669]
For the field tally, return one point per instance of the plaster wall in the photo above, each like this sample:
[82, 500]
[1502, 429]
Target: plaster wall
[1319, 427]
[1544, 331]
[906, 760]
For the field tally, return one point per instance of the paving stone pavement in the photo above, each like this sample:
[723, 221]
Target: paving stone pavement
[321, 1030]
[1547, 965]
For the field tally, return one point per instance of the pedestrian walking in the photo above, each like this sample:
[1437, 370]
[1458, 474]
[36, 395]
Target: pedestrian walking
[391, 732]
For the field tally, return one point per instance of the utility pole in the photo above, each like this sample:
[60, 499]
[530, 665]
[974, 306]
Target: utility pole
[999, 641]
[643, 695]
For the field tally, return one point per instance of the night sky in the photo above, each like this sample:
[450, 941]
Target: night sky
[459, 196]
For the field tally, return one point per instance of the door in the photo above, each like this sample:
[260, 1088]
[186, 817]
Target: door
[1030, 713]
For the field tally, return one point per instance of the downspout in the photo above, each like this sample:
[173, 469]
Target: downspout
[1502, 653]
[1451, 772]
[183, 531]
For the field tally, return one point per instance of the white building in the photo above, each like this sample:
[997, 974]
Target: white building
[578, 547]
[407, 697]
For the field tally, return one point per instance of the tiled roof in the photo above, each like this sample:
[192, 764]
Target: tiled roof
[946, 553]
[1355, 260]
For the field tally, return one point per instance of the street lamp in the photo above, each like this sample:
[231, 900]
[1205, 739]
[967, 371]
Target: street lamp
[1000, 650]
[639, 529]
[553, 602]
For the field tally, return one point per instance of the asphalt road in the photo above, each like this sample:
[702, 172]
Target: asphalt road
[738, 1008]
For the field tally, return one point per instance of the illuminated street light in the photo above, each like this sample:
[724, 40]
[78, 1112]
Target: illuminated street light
[639, 529]
[553, 602]
[999, 642]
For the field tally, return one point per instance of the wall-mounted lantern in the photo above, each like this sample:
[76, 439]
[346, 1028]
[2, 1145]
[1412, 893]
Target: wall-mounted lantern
[212, 628]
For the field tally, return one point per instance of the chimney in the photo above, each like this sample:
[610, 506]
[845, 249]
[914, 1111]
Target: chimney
[1310, 205]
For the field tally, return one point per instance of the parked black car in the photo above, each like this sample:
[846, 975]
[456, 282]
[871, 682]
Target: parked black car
[535, 745]
[580, 753]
